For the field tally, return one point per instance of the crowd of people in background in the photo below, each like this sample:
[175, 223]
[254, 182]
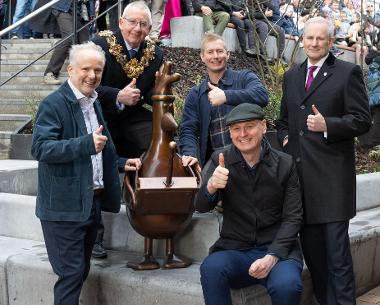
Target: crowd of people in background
[355, 26]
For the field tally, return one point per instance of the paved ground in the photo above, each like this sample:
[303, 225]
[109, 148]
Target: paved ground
[372, 297]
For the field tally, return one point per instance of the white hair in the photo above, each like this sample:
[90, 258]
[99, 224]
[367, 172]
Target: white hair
[320, 20]
[88, 46]
[139, 5]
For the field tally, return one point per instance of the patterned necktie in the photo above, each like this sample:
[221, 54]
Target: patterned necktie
[132, 53]
[310, 77]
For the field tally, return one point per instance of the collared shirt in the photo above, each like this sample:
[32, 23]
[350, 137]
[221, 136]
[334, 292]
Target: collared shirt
[319, 64]
[130, 48]
[91, 120]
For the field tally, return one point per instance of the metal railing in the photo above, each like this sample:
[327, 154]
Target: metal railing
[73, 35]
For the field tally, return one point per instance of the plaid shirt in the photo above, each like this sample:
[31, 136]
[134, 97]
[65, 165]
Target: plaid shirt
[218, 131]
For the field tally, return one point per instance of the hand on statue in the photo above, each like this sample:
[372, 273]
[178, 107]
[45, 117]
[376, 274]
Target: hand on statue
[216, 96]
[206, 10]
[99, 139]
[132, 164]
[191, 161]
[219, 178]
[316, 122]
[130, 95]
[260, 268]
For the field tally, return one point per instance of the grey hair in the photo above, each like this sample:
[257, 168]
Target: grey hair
[139, 5]
[320, 20]
[209, 37]
[88, 46]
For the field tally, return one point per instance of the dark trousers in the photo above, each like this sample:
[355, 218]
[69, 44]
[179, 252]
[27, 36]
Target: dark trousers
[225, 270]
[243, 27]
[60, 53]
[264, 29]
[326, 248]
[69, 246]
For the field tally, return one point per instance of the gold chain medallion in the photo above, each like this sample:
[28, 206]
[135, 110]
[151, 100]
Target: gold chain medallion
[133, 68]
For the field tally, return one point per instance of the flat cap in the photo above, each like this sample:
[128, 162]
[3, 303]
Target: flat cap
[245, 112]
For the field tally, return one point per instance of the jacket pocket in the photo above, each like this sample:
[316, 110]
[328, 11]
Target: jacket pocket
[65, 195]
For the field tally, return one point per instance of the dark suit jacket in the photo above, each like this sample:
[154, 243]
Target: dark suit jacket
[114, 79]
[63, 148]
[326, 166]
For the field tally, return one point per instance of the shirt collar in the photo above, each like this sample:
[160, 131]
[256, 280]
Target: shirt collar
[226, 80]
[80, 96]
[130, 48]
[319, 64]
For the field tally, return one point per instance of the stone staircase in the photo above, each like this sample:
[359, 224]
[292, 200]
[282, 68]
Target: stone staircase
[25, 91]
[27, 86]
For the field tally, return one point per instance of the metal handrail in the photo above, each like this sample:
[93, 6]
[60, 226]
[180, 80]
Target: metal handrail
[62, 40]
[28, 17]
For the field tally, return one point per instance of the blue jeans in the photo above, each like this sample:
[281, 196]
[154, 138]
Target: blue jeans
[228, 269]
[23, 8]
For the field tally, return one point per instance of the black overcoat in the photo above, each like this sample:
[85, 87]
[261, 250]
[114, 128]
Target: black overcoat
[326, 165]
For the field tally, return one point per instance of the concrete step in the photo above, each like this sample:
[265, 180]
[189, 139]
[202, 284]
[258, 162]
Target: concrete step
[28, 81]
[109, 282]
[19, 105]
[27, 43]
[25, 55]
[193, 242]
[367, 190]
[13, 122]
[39, 66]
[17, 94]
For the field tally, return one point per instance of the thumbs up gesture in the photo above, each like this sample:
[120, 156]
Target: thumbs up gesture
[216, 96]
[219, 178]
[129, 95]
[316, 122]
[99, 139]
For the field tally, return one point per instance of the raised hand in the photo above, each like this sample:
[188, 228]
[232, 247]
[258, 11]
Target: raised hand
[316, 122]
[216, 96]
[99, 139]
[219, 178]
[129, 95]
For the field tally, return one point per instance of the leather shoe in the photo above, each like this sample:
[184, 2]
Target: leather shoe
[98, 251]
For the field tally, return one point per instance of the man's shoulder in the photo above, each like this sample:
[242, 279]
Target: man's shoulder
[341, 64]
[56, 100]
[158, 51]
[241, 72]
[101, 38]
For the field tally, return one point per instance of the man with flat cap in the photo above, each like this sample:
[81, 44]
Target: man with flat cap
[262, 215]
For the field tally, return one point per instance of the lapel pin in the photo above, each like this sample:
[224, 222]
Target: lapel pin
[324, 74]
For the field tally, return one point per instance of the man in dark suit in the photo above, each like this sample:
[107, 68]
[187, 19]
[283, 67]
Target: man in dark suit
[262, 215]
[324, 107]
[127, 83]
[128, 79]
[77, 171]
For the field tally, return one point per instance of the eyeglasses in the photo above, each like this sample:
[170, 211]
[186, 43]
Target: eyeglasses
[132, 23]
